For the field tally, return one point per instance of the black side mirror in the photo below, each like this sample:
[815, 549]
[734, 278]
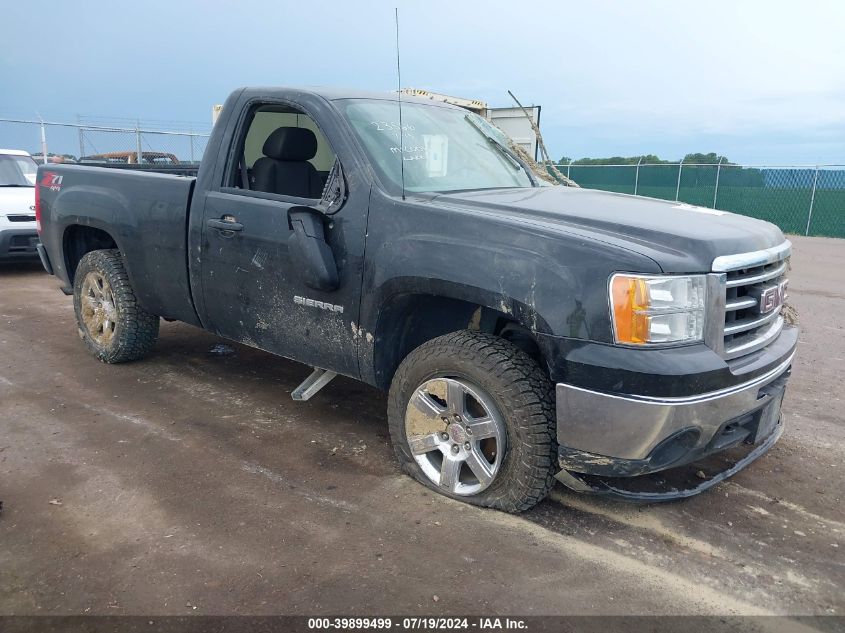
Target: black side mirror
[309, 249]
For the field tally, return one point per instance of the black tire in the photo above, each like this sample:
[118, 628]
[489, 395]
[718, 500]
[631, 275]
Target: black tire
[520, 390]
[132, 331]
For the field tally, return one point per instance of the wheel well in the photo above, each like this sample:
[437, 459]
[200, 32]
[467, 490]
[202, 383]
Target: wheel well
[80, 240]
[411, 320]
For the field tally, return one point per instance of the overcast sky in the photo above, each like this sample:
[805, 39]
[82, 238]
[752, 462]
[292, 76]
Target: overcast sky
[757, 81]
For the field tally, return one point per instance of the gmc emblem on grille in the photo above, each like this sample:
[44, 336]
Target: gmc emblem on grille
[772, 298]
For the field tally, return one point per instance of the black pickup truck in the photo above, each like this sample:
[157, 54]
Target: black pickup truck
[525, 332]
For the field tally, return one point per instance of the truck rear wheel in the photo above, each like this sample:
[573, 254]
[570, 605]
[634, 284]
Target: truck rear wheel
[471, 416]
[111, 323]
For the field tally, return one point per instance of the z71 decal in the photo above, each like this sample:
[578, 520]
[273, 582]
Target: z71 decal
[52, 181]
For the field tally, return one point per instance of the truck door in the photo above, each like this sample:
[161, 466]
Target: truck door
[256, 285]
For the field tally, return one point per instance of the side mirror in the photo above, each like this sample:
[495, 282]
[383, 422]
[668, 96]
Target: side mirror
[308, 248]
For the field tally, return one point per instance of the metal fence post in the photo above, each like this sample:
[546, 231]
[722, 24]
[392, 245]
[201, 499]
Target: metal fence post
[812, 200]
[716, 190]
[569, 167]
[191, 136]
[81, 137]
[138, 143]
[678, 188]
[637, 176]
[43, 140]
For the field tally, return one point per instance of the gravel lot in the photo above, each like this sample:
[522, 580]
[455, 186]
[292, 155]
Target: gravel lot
[191, 483]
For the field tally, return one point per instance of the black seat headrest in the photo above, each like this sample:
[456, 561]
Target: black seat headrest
[291, 143]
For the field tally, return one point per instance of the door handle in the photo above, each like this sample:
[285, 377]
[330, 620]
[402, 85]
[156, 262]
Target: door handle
[226, 223]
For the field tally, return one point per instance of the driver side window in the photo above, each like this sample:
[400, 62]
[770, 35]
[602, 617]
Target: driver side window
[283, 153]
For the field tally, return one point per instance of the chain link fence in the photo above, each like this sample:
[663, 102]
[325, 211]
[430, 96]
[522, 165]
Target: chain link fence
[88, 143]
[800, 200]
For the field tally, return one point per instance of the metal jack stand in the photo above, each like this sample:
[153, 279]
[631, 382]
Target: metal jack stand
[318, 379]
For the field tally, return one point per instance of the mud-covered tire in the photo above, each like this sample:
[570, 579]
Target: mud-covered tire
[509, 380]
[111, 323]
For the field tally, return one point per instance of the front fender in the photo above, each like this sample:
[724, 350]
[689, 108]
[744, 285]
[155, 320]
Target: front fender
[396, 287]
[551, 281]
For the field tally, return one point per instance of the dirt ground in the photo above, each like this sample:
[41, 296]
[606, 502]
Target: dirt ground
[190, 483]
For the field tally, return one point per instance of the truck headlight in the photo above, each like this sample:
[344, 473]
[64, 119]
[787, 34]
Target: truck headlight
[650, 309]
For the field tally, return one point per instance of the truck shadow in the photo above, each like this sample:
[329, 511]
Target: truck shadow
[249, 389]
[252, 388]
[239, 390]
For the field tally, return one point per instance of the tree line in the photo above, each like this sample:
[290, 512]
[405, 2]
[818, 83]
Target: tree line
[711, 158]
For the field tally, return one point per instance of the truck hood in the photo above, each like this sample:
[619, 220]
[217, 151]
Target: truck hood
[14, 200]
[679, 237]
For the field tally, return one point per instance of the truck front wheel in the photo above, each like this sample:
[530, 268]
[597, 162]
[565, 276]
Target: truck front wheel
[111, 323]
[471, 416]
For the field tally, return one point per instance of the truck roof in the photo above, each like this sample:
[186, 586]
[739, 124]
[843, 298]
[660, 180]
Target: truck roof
[335, 93]
[14, 152]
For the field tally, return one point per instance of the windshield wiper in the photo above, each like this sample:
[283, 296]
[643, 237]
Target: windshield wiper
[502, 149]
[15, 185]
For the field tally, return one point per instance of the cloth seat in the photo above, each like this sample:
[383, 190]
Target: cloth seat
[285, 169]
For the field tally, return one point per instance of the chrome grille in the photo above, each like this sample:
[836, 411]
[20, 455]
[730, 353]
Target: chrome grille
[747, 277]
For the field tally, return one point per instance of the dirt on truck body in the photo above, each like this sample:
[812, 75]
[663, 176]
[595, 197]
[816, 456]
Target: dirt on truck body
[523, 332]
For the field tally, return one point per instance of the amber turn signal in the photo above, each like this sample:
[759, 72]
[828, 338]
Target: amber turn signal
[657, 309]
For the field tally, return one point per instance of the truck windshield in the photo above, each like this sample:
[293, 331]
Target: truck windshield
[17, 171]
[442, 148]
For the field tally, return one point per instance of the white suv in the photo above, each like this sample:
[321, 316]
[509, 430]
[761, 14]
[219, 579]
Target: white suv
[18, 237]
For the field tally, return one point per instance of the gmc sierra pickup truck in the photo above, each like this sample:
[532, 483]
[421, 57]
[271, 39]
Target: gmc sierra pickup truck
[524, 332]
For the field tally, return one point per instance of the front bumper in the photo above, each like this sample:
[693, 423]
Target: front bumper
[616, 435]
[16, 244]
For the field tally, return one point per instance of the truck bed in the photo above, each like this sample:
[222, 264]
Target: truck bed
[144, 213]
[184, 169]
